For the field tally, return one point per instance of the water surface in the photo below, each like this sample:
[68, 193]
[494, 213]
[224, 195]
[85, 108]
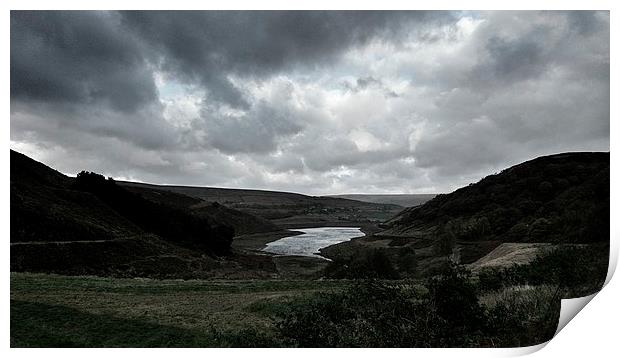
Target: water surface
[312, 239]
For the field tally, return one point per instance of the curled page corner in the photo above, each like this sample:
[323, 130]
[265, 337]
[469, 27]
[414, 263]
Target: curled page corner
[568, 310]
[613, 260]
[570, 307]
[523, 351]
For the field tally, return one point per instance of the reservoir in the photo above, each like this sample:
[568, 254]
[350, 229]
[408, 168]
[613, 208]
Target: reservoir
[312, 239]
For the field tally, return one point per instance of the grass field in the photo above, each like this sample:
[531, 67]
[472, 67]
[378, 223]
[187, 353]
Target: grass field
[85, 311]
[66, 311]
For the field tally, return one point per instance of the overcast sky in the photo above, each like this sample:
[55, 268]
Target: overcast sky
[310, 102]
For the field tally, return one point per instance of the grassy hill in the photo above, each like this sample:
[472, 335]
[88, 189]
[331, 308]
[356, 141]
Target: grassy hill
[556, 199]
[243, 223]
[404, 200]
[287, 210]
[91, 225]
[45, 207]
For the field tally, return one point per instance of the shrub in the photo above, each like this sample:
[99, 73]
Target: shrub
[455, 299]
[579, 270]
[447, 312]
[522, 315]
[518, 232]
[539, 230]
[370, 264]
[371, 313]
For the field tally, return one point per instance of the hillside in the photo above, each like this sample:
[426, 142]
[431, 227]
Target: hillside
[556, 199]
[148, 229]
[243, 223]
[44, 207]
[287, 210]
[404, 200]
[91, 225]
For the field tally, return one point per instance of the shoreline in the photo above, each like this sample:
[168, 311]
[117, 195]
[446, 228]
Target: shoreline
[255, 243]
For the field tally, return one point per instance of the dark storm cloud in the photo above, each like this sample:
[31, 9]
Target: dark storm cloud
[77, 57]
[510, 60]
[87, 62]
[553, 39]
[208, 46]
[84, 70]
[316, 102]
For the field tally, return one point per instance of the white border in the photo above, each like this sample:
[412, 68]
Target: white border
[594, 331]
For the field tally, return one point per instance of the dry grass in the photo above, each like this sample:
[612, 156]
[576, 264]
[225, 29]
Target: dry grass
[198, 306]
[523, 295]
[509, 254]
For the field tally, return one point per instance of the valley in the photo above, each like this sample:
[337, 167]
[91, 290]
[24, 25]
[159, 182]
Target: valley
[206, 266]
[306, 178]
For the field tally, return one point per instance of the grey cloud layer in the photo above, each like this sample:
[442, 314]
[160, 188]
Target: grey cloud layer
[317, 102]
[83, 57]
[208, 46]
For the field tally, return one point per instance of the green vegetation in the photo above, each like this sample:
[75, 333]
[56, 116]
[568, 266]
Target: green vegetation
[170, 223]
[242, 223]
[517, 306]
[577, 270]
[45, 325]
[92, 226]
[404, 200]
[81, 311]
[286, 210]
[561, 198]
[44, 208]
[369, 264]
[521, 315]
[444, 312]
[140, 256]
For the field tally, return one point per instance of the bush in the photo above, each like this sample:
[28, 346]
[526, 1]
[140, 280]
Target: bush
[455, 299]
[518, 232]
[578, 270]
[522, 315]
[371, 313]
[370, 264]
[445, 313]
[540, 230]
